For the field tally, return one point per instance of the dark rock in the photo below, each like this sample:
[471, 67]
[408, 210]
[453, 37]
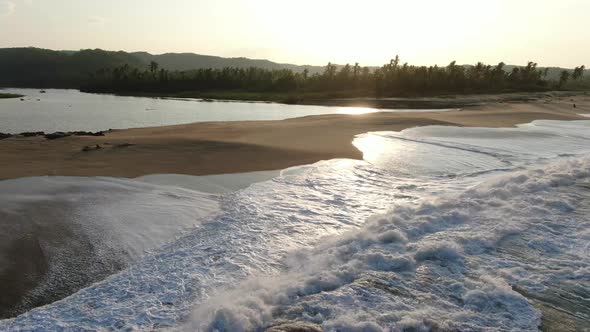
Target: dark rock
[90, 148]
[61, 134]
[87, 133]
[32, 133]
[124, 145]
[57, 135]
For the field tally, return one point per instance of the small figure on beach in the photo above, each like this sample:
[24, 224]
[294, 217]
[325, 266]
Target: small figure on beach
[574, 105]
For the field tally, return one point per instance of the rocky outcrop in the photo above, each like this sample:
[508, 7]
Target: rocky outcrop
[52, 136]
[61, 134]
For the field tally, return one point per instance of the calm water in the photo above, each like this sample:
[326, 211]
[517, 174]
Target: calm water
[70, 110]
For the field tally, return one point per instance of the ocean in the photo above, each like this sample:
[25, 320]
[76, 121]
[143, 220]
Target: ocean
[439, 228]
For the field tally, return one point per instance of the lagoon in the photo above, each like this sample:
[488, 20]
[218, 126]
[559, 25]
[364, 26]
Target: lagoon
[55, 110]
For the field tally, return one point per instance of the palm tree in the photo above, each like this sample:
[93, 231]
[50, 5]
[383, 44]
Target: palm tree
[356, 70]
[578, 72]
[154, 66]
[565, 75]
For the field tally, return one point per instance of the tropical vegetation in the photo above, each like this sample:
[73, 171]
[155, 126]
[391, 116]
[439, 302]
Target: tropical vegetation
[393, 79]
[193, 75]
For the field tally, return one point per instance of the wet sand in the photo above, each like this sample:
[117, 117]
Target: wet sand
[232, 147]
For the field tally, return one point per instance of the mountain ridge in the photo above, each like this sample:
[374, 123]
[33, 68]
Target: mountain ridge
[37, 67]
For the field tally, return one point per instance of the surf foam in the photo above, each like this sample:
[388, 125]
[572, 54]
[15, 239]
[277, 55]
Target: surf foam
[479, 242]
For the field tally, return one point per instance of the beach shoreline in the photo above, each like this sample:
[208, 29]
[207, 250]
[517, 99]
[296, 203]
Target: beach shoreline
[208, 148]
[339, 100]
[9, 95]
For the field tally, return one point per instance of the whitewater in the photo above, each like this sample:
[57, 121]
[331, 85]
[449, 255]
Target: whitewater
[439, 228]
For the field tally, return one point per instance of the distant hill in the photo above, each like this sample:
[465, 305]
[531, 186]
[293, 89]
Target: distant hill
[35, 67]
[188, 61]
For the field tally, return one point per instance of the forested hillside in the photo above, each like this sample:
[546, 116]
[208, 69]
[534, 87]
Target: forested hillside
[122, 72]
[33, 67]
[41, 68]
[189, 61]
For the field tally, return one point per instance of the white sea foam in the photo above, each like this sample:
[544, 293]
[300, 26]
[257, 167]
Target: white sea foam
[438, 269]
[85, 229]
[135, 215]
[465, 236]
[444, 150]
[217, 184]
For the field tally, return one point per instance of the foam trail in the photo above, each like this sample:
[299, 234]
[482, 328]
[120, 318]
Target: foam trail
[444, 150]
[251, 236]
[66, 233]
[431, 266]
[462, 229]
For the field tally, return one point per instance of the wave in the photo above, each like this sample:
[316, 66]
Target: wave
[445, 150]
[488, 232]
[434, 263]
[64, 234]
[438, 265]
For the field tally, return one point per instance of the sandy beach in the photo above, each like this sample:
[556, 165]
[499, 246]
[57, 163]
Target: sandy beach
[231, 147]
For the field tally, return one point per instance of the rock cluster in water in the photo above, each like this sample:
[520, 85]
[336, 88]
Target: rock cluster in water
[52, 136]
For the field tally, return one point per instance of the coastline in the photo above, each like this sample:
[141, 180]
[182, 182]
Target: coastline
[10, 95]
[362, 100]
[234, 147]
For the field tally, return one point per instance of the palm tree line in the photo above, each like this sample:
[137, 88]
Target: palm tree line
[389, 80]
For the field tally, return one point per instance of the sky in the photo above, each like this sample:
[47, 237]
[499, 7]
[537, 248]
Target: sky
[315, 32]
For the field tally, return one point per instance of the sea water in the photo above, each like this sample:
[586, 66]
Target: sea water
[439, 228]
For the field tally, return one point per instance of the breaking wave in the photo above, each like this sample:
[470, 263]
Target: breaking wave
[444, 264]
[442, 229]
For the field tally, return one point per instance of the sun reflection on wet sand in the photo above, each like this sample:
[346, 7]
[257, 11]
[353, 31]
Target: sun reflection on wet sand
[403, 153]
[357, 110]
[367, 110]
[372, 147]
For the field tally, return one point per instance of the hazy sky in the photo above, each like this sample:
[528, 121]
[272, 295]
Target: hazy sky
[551, 32]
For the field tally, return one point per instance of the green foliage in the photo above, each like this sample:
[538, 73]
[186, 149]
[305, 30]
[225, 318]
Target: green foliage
[391, 80]
[578, 73]
[169, 74]
[565, 75]
[127, 79]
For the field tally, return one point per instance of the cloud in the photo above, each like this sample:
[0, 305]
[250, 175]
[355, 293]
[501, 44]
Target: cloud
[7, 8]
